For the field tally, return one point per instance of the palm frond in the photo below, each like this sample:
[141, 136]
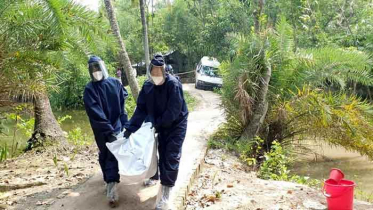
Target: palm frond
[339, 67]
[337, 118]
[285, 37]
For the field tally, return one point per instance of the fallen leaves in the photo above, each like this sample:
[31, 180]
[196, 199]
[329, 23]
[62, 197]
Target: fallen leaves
[211, 198]
[228, 186]
[33, 173]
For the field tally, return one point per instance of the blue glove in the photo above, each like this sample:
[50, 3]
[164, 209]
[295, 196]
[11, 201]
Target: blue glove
[127, 134]
[112, 138]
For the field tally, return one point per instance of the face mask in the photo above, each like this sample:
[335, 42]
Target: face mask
[157, 80]
[97, 75]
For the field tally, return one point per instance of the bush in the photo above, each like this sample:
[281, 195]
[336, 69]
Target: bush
[248, 151]
[78, 138]
[275, 164]
[275, 167]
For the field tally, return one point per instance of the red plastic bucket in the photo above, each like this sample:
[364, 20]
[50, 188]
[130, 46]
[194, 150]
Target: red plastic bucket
[339, 197]
[336, 175]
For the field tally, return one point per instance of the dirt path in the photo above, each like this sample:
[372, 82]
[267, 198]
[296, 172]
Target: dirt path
[89, 194]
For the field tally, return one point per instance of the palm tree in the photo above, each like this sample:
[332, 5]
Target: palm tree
[276, 93]
[38, 39]
[260, 104]
[123, 55]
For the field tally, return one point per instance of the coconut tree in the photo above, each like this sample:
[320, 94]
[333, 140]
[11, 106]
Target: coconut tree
[123, 55]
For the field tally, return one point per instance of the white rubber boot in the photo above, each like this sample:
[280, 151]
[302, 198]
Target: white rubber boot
[164, 202]
[112, 194]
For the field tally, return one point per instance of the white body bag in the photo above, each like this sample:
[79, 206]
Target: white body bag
[137, 155]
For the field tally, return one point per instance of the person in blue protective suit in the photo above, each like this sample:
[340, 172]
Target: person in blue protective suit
[161, 101]
[104, 99]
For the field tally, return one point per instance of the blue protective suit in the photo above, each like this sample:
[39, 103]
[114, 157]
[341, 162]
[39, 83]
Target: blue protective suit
[104, 103]
[165, 107]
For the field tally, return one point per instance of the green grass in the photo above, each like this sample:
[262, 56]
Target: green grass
[363, 196]
[4, 153]
[191, 101]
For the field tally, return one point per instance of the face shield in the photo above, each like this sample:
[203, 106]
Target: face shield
[156, 71]
[157, 74]
[98, 71]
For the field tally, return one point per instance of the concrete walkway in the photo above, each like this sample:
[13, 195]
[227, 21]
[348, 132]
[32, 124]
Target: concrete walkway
[202, 122]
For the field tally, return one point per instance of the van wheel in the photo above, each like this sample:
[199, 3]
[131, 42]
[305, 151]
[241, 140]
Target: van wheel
[196, 85]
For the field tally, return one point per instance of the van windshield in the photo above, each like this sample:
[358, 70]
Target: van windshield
[210, 71]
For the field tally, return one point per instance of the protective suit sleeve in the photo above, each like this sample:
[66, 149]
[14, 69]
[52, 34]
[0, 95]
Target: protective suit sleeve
[140, 114]
[174, 106]
[96, 115]
[123, 94]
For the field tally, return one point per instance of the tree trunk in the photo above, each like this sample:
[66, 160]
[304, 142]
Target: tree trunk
[145, 33]
[369, 93]
[261, 107]
[123, 55]
[46, 126]
[258, 14]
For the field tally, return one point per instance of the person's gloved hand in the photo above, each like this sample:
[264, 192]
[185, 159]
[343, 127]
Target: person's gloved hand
[157, 128]
[127, 134]
[112, 138]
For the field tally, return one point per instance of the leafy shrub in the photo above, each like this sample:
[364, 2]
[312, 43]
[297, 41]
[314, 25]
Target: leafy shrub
[26, 126]
[275, 164]
[78, 138]
[275, 167]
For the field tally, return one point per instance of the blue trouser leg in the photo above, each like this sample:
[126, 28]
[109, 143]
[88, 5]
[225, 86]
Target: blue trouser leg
[169, 148]
[108, 162]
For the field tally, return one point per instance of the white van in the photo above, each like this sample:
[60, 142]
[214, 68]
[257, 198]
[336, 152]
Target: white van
[207, 74]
